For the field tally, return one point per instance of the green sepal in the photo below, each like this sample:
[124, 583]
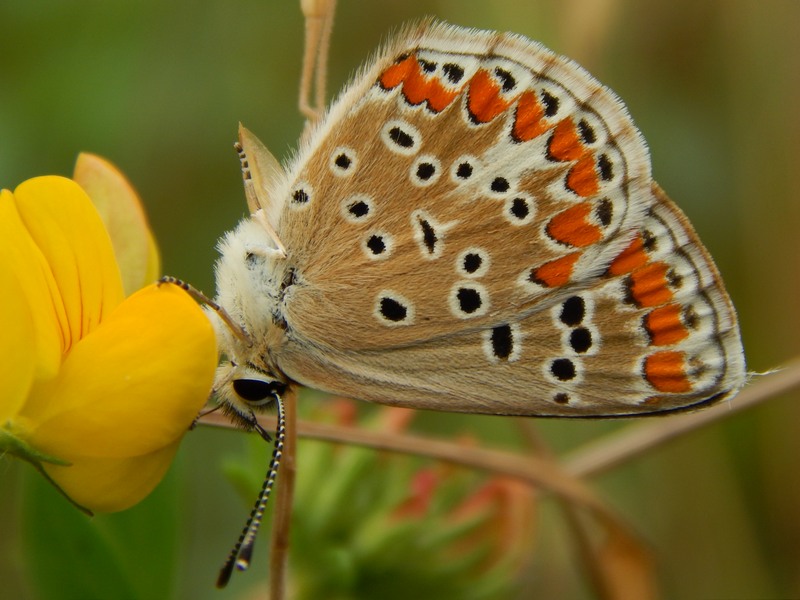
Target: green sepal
[14, 446]
[11, 444]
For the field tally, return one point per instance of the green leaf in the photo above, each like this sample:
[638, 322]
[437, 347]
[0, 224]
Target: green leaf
[70, 555]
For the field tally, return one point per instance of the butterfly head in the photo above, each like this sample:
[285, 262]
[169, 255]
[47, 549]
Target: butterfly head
[243, 391]
[248, 288]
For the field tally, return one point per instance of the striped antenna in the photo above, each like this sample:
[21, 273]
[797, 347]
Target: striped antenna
[239, 557]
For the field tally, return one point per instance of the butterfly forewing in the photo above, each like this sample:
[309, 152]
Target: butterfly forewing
[473, 227]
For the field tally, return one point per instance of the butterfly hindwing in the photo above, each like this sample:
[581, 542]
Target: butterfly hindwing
[604, 350]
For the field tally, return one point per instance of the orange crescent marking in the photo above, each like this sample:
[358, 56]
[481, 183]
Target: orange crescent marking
[440, 97]
[556, 272]
[648, 285]
[633, 257]
[397, 73]
[666, 372]
[565, 144]
[573, 228]
[528, 122]
[582, 177]
[665, 326]
[415, 86]
[485, 102]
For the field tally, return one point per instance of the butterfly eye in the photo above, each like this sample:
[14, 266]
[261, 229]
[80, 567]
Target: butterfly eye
[256, 391]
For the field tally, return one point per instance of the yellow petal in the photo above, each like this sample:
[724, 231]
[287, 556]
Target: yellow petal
[38, 288]
[112, 484]
[125, 220]
[132, 386]
[18, 345]
[67, 229]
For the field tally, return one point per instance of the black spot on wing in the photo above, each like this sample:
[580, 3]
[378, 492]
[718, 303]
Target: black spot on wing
[472, 262]
[573, 311]
[392, 310]
[300, 196]
[376, 244]
[507, 79]
[502, 342]
[551, 104]
[580, 339]
[500, 185]
[586, 132]
[401, 138]
[453, 72]
[429, 237]
[464, 170]
[469, 300]
[563, 369]
[359, 209]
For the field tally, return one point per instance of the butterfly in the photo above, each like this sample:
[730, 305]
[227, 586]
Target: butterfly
[472, 226]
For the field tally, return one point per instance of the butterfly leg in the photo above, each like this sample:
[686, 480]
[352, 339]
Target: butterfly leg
[259, 429]
[202, 414]
[318, 16]
[280, 251]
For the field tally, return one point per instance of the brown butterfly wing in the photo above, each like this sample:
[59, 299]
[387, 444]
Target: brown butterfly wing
[656, 333]
[457, 199]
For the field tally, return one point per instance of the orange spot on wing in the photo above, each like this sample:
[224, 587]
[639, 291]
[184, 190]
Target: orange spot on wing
[665, 326]
[572, 227]
[648, 285]
[485, 102]
[666, 372]
[556, 272]
[440, 97]
[565, 144]
[528, 120]
[417, 86]
[633, 257]
[397, 73]
[582, 177]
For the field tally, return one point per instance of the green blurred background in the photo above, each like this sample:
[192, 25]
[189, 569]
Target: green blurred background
[158, 87]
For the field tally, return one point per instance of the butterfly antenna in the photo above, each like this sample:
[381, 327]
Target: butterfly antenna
[241, 553]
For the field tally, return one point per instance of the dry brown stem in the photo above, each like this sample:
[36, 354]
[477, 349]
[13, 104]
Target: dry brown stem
[591, 459]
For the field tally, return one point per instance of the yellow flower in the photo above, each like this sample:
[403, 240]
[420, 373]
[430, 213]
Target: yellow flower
[96, 390]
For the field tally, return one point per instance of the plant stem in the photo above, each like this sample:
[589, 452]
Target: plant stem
[282, 518]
